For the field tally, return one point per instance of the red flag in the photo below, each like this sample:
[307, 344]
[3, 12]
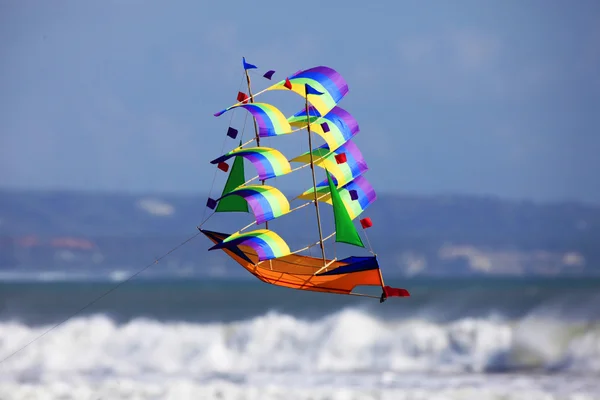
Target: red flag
[341, 158]
[395, 292]
[242, 97]
[223, 166]
[366, 223]
[288, 84]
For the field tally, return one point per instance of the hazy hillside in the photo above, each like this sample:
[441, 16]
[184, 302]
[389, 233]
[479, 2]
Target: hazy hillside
[94, 233]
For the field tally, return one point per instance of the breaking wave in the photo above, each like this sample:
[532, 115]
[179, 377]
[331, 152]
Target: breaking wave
[351, 350]
[348, 341]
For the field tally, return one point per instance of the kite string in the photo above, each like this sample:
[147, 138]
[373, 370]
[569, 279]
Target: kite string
[121, 283]
[94, 301]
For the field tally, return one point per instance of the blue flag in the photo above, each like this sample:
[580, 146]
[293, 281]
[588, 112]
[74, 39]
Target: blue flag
[246, 65]
[311, 90]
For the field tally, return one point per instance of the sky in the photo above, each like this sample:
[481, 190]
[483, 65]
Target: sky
[481, 97]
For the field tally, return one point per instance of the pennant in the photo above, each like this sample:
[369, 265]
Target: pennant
[211, 203]
[242, 97]
[310, 90]
[395, 292]
[232, 132]
[288, 84]
[325, 127]
[353, 194]
[269, 74]
[341, 158]
[246, 65]
[366, 223]
[223, 166]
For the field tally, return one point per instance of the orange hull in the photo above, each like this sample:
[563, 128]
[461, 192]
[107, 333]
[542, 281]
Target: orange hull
[300, 272]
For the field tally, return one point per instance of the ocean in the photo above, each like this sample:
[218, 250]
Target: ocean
[181, 339]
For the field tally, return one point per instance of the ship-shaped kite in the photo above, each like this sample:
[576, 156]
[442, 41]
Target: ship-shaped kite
[344, 191]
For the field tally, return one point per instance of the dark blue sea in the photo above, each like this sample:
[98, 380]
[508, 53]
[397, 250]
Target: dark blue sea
[243, 339]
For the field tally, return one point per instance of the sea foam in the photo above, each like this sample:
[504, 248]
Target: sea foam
[348, 350]
[348, 341]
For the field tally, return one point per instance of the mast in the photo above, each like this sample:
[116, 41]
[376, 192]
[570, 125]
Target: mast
[255, 126]
[312, 167]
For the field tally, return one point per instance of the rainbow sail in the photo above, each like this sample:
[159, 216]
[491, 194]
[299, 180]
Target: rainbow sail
[345, 163]
[336, 127]
[270, 121]
[341, 186]
[268, 162]
[266, 243]
[267, 202]
[356, 195]
[323, 79]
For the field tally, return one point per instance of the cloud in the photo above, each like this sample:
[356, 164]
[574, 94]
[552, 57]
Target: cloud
[156, 207]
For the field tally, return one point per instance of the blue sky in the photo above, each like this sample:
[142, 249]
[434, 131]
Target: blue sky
[466, 97]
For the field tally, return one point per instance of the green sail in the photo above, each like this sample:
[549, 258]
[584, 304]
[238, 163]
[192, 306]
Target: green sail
[344, 227]
[235, 179]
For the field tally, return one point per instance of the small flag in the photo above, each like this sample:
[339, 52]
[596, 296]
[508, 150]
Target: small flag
[269, 74]
[288, 84]
[223, 166]
[366, 223]
[232, 132]
[395, 292]
[211, 203]
[311, 90]
[242, 97]
[325, 127]
[341, 158]
[246, 65]
[353, 194]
